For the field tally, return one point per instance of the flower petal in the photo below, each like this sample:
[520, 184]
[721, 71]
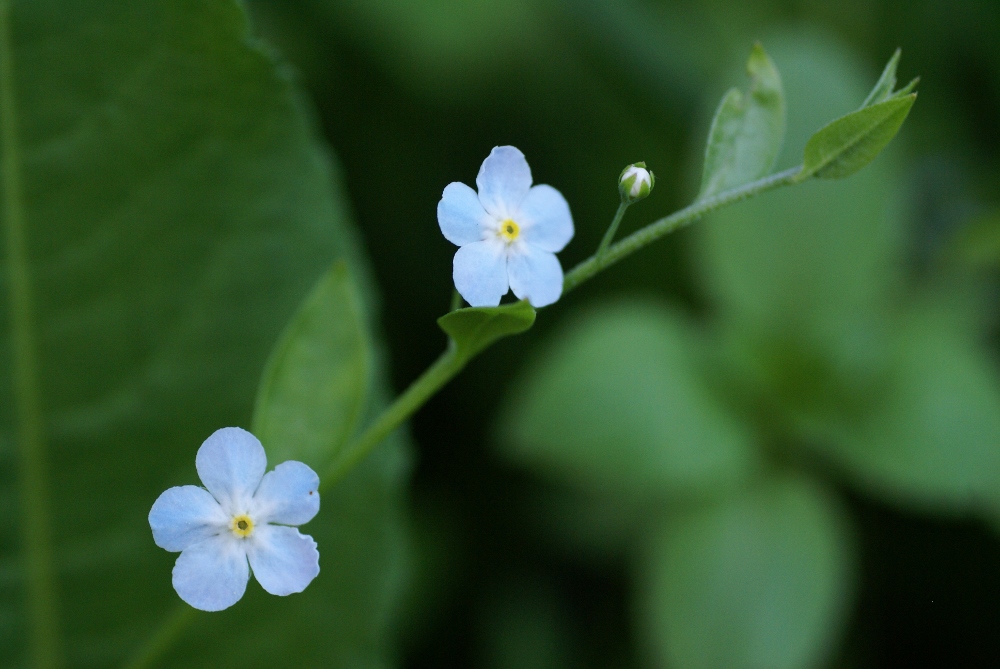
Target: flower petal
[212, 575]
[283, 560]
[461, 215]
[185, 515]
[288, 495]
[503, 181]
[480, 272]
[535, 275]
[231, 463]
[545, 219]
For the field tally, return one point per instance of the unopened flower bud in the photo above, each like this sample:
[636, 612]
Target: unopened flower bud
[635, 182]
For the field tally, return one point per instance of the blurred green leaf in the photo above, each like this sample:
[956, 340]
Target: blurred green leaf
[932, 440]
[759, 580]
[747, 130]
[617, 403]
[177, 212]
[851, 142]
[313, 388]
[476, 328]
[447, 46]
[977, 245]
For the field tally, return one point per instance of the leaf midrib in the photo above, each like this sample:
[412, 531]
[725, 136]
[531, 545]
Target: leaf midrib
[41, 619]
[856, 139]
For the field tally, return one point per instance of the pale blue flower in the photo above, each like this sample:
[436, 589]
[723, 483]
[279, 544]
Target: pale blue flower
[243, 515]
[509, 233]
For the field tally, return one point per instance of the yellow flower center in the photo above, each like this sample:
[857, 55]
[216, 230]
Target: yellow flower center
[509, 230]
[242, 526]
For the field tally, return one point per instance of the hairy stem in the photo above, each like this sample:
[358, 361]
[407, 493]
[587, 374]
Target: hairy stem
[664, 226]
[609, 236]
[41, 620]
[427, 384]
[450, 364]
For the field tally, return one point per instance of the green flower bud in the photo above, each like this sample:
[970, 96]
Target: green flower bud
[635, 182]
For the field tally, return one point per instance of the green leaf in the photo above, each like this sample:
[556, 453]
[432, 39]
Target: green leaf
[884, 87]
[313, 388]
[849, 143]
[801, 277]
[176, 209]
[476, 328]
[747, 130]
[886, 83]
[616, 403]
[930, 439]
[759, 580]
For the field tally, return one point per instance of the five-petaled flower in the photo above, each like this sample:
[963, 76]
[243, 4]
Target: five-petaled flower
[243, 515]
[509, 233]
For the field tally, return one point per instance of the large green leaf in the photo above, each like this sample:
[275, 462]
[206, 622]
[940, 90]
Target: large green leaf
[747, 130]
[176, 212]
[616, 403]
[314, 386]
[758, 581]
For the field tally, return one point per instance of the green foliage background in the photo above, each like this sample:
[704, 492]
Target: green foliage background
[788, 413]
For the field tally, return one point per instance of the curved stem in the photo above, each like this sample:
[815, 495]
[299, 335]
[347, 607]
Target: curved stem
[664, 226]
[609, 236]
[41, 620]
[456, 301]
[450, 363]
[427, 384]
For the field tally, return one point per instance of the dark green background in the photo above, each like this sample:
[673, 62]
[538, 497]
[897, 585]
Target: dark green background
[411, 96]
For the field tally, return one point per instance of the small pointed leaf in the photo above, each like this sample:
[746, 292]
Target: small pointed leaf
[849, 143]
[475, 328]
[907, 89]
[747, 130]
[314, 385]
[885, 84]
